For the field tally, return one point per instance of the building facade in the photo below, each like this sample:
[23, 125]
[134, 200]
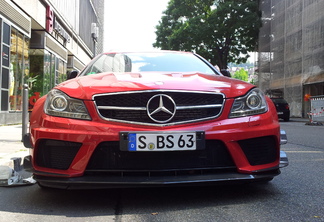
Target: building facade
[41, 42]
[291, 51]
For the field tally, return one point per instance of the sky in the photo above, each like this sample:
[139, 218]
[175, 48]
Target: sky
[130, 24]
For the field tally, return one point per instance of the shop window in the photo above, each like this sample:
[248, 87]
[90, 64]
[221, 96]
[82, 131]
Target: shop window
[46, 71]
[19, 68]
[49, 70]
[61, 71]
[36, 78]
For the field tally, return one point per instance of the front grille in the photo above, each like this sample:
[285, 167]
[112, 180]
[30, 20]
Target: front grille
[136, 107]
[56, 154]
[260, 150]
[108, 158]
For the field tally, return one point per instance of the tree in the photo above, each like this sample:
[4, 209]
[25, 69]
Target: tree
[241, 74]
[222, 31]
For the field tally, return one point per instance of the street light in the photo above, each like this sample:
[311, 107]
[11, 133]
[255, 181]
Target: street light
[94, 35]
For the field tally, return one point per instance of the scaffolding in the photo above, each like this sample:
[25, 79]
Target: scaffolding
[291, 51]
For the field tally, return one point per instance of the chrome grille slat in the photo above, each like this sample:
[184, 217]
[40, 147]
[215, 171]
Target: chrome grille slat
[198, 107]
[123, 108]
[131, 107]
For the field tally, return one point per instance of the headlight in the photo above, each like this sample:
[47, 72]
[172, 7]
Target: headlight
[59, 104]
[251, 104]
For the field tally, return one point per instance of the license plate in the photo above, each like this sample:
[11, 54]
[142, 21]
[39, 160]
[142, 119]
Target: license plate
[162, 141]
[279, 113]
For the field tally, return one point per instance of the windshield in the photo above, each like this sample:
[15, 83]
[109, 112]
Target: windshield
[148, 62]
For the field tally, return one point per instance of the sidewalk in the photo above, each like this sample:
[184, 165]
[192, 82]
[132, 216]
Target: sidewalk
[307, 121]
[297, 119]
[11, 144]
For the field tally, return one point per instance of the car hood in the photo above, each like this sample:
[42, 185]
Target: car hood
[86, 86]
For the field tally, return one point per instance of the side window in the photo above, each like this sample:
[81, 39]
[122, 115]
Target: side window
[96, 67]
[117, 63]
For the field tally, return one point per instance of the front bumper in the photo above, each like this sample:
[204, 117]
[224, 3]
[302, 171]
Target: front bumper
[231, 133]
[91, 181]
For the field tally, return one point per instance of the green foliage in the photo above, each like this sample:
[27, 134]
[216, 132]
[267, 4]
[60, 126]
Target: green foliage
[220, 31]
[241, 74]
[242, 65]
[253, 81]
[35, 80]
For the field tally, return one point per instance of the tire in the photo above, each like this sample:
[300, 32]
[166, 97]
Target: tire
[266, 180]
[42, 186]
[49, 186]
[286, 119]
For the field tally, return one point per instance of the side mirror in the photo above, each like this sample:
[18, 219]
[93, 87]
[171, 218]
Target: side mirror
[72, 74]
[225, 72]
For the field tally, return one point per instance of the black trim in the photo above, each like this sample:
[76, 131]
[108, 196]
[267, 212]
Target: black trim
[90, 182]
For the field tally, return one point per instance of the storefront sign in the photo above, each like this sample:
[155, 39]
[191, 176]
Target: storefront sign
[52, 24]
[5, 55]
[32, 100]
[58, 27]
[49, 19]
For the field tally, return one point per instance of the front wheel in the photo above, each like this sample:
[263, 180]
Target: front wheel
[49, 186]
[266, 180]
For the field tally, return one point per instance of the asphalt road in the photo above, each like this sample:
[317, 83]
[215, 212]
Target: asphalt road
[295, 195]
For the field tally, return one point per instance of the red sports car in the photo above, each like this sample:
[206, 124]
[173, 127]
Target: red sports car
[153, 119]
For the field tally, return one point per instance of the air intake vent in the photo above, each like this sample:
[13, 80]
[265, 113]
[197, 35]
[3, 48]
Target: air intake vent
[56, 154]
[260, 150]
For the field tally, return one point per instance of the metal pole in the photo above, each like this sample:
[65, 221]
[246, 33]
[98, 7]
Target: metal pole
[25, 117]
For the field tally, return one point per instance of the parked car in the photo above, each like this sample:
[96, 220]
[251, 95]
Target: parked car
[153, 119]
[282, 108]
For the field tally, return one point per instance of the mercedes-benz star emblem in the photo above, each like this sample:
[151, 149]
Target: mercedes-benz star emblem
[161, 108]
